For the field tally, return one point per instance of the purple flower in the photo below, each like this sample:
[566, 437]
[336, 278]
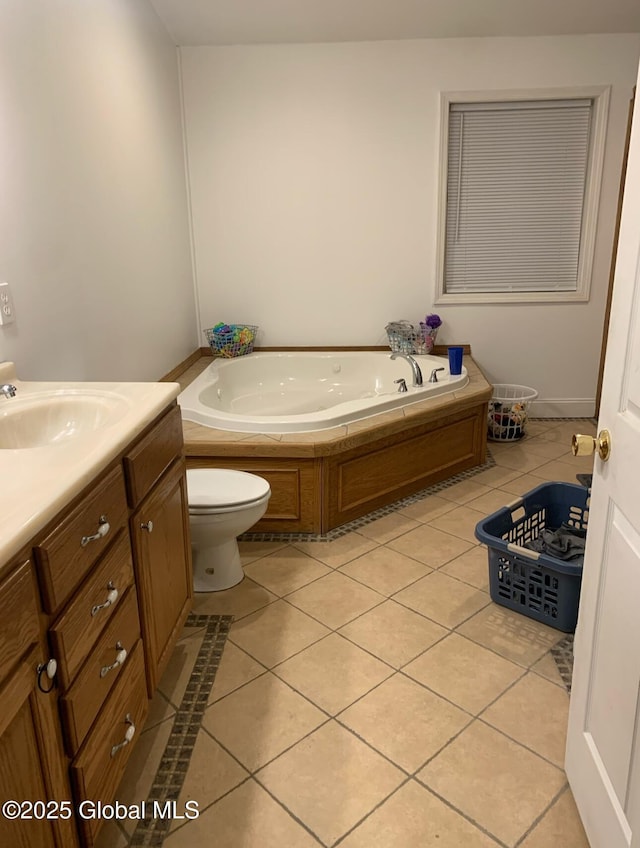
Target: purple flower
[433, 321]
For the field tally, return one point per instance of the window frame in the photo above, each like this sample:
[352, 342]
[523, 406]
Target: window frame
[600, 96]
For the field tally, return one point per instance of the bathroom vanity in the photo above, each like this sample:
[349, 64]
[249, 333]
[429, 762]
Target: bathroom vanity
[95, 586]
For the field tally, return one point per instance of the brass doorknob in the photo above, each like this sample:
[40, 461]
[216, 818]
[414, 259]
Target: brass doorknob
[586, 445]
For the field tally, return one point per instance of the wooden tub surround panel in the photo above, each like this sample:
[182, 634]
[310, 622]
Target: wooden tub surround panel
[322, 479]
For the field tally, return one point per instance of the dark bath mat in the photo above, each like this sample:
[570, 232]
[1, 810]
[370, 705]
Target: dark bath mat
[563, 655]
[177, 753]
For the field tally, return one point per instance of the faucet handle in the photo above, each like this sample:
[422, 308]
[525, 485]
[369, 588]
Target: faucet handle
[434, 375]
[8, 390]
[402, 387]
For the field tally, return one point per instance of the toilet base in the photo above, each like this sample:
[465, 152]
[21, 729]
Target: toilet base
[217, 567]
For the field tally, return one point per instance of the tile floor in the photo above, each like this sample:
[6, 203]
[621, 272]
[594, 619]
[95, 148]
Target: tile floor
[371, 694]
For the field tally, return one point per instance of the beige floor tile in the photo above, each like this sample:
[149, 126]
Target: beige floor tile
[414, 818]
[251, 551]
[246, 818]
[111, 836]
[464, 491]
[339, 551]
[384, 570]
[534, 712]
[460, 522]
[496, 476]
[333, 673]
[428, 508]
[285, 571]
[261, 720]
[523, 484]
[330, 781]
[430, 546]
[561, 826]
[443, 599]
[142, 767]
[471, 567]
[404, 721]
[211, 774]
[276, 633]
[179, 668]
[160, 709]
[517, 457]
[388, 527]
[549, 449]
[241, 600]
[335, 599]
[236, 668]
[561, 472]
[496, 782]
[514, 636]
[495, 500]
[393, 633]
[463, 672]
[547, 667]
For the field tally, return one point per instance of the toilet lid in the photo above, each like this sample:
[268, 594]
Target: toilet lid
[222, 487]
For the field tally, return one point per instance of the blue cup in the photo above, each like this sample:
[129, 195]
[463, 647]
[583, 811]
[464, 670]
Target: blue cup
[455, 360]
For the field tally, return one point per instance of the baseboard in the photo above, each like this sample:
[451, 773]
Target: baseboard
[562, 408]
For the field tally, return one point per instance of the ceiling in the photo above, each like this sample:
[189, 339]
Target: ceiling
[220, 22]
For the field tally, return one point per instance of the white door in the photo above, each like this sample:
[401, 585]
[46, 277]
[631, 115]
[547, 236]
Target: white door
[603, 744]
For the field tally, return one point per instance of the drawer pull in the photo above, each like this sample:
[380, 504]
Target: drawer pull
[120, 658]
[128, 736]
[49, 668]
[103, 529]
[147, 525]
[112, 597]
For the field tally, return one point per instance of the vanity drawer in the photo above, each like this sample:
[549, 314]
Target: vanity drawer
[147, 460]
[76, 631]
[69, 551]
[18, 617]
[98, 768]
[82, 702]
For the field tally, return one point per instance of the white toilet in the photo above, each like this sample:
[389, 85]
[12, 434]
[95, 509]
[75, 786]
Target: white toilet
[223, 504]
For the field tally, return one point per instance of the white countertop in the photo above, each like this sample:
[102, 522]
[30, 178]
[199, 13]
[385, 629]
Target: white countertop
[37, 483]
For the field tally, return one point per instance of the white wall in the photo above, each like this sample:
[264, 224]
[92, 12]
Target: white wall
[93, 209]
[313, 176]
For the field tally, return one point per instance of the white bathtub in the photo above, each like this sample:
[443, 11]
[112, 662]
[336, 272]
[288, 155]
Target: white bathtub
[301, 390]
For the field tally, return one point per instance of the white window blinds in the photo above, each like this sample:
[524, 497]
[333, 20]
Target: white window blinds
[515, 194]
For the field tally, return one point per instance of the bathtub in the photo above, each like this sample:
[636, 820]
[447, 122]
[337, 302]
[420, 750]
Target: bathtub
[292, 392]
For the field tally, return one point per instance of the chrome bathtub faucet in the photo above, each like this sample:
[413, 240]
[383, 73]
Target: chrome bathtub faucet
[8, 390]
[415, 368]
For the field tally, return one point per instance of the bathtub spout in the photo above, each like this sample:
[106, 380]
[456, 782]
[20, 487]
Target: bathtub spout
[415, 368]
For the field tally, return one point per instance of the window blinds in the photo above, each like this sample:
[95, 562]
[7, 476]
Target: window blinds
[515, 192]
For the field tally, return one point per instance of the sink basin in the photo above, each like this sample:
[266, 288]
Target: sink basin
[53, 418]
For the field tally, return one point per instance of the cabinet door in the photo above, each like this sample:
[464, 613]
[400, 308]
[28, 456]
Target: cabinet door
[32, 763]
[162, 562]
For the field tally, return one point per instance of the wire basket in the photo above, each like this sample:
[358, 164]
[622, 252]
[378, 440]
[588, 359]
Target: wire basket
[405, 338]
[231, 340]
[508, 412]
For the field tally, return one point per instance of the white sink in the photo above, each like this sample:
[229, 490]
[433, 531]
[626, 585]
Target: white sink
[55, 417]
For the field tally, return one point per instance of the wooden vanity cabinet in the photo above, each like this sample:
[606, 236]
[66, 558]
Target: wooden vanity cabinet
[32, 764]
[112, 572]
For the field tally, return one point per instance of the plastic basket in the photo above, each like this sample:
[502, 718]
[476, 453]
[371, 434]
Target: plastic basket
[231, 340]
[508, 412]
[405, 338]
[535, 584]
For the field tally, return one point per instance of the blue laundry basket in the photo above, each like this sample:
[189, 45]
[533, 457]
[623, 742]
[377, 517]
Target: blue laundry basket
[535, 584]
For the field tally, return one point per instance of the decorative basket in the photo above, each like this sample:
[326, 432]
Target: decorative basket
[231, 340]
[508, 412]
[405, 338]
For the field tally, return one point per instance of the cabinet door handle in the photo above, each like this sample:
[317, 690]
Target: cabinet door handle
[49, 668]
[103, 529]
[147, 525]
[120, 658]
[112, 597]
[128, 736]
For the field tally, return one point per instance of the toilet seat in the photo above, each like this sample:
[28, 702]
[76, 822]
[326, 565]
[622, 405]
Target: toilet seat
[212, 490]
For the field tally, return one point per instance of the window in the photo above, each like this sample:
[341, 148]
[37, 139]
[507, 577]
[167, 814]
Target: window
[519, 196]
